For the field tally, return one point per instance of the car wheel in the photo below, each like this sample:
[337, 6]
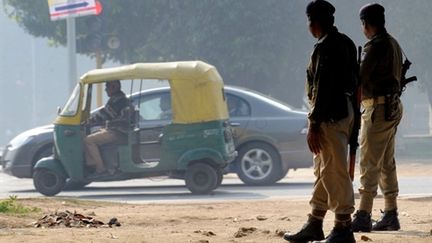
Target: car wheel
[201, 178]
[258, 164]
[48, 182]
[282, 174]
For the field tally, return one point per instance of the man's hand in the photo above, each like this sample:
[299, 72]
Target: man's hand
[314, 140]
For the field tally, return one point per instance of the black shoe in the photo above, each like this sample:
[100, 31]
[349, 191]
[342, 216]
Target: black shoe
[340, 235]
[312, 230]
[389, 222]
[362, 222]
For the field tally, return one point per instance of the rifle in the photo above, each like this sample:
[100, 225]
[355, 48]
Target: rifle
[404, 81]
[353, 140]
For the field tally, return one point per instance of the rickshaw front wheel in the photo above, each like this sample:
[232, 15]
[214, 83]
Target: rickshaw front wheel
[201, 178]
[48, 182]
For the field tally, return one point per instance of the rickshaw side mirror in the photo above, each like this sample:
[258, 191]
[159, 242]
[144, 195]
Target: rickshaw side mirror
[59, 109]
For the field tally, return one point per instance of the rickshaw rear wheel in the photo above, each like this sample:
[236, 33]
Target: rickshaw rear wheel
[48, 182]
[201, 178]
[75, 185]
[219, 178]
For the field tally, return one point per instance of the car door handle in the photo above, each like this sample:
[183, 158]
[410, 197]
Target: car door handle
[68, 132]
[235, 124]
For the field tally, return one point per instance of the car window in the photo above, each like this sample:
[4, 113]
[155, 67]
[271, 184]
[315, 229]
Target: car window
[155, 107]
[237, 107]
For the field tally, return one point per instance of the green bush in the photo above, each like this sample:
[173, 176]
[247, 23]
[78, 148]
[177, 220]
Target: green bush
[12, 206]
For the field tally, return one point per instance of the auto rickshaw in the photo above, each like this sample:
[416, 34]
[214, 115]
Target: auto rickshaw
[195, 146]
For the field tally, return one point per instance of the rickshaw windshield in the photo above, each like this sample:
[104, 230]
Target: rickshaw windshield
[71, 107]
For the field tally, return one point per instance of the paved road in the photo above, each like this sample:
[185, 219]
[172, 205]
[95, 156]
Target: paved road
[167, 190]
[162, 190]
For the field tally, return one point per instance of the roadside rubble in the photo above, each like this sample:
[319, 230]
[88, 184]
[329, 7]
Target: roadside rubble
[207, 222]
[206, 233]
[244, 231]
[72, 220]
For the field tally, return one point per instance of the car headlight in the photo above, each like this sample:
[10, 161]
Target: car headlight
[20, 140]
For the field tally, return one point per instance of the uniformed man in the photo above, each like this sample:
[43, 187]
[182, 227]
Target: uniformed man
[331, 79]
[116, 115]
[380, 74]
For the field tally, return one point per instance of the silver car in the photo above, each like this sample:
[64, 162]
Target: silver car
[269, 136]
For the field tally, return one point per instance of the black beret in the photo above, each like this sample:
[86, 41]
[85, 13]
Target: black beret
[318, 9]
[372, 12]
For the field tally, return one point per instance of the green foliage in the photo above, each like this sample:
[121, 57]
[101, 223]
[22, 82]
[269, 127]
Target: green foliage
[249, 41]
[259, 44]
[12, 206]
[33, 16]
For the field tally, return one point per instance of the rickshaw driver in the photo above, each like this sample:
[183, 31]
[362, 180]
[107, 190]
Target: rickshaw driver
[116, 116]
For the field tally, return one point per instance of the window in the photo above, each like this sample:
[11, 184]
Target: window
[237, 106]
[156, 107]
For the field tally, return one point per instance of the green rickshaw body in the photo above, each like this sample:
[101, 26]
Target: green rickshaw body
[197, 142]
[51, 163]
[69, 149]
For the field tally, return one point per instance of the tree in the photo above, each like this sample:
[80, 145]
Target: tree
[259, 44]
[251, 42]
[415, 39]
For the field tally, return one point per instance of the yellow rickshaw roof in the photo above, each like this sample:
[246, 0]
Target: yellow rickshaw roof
[195, 71]
[196, 87]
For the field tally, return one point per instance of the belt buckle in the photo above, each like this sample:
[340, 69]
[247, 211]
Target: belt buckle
[367, 102]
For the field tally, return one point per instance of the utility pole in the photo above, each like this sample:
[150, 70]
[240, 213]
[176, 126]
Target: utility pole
[71, 43]
[69, 10]
[430, 120]
[99, 87]
[34, 84]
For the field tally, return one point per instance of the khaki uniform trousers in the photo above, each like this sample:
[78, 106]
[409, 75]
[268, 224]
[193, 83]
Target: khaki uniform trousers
[333, 187]
[377, 162]
[92, 143]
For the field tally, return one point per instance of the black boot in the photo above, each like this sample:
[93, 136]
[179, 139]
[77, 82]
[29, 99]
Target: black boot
[389, 221]
[312, 230]
[362, 222]
[341, 233]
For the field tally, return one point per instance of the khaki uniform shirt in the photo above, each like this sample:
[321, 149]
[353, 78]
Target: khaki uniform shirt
[381, 66]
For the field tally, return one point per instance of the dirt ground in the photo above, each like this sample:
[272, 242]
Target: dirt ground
[239, 221]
